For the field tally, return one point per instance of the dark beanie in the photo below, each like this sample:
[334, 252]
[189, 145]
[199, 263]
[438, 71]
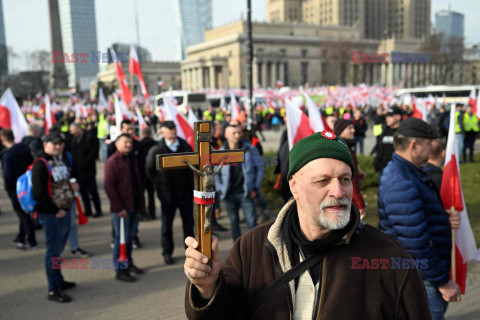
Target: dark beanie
[341, 125]
[323, 144]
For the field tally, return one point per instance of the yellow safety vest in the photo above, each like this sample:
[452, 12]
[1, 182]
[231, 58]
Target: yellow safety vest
[102, 127]
[470, 123]
[377, 130]
[458, 129]
[64, 127]
[207, 115]
[219, 115]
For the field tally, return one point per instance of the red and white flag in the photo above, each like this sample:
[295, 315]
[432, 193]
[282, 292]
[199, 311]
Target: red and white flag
[192, 118]
[472, 101]
[49, 117]
[122, 80]
[134, 68]
[140, 119]
[476, 110]
[452, 197]
[11, 116]
[184, 129]
[317, 123]
[234, 107]
[298, 124]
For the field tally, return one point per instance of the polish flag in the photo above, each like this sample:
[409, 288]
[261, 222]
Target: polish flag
[122, 257]
[11, 116]
[118, 114]
[140, 119]
[317, 123]
[184, 129]
[298, 124]
[49, 117]
[191, 117]
[416, 113]
[476, 110]
[134, 68]
[452, 197]
[127, 95]
[472, 101]
[234, 107]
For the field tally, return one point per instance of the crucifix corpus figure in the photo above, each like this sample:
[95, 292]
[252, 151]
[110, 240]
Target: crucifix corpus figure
[202, 161]
[207, 197]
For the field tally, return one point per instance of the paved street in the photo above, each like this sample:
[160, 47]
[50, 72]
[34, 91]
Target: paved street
[158, 294]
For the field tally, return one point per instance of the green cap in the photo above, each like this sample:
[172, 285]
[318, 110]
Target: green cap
[323, 144]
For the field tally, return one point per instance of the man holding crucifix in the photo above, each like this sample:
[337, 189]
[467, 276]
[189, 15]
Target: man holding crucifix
[317, 260]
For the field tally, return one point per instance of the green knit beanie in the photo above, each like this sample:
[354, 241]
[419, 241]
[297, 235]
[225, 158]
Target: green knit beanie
[318, 145]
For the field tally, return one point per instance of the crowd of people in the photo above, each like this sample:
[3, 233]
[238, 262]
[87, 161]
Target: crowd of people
[408, 158]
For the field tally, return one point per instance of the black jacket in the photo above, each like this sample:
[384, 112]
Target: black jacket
[360, 127]
[384, 149]
[34, 144]
[434, 173]
[15, 162]
[169, 181]
[84, 155]
[40, 183]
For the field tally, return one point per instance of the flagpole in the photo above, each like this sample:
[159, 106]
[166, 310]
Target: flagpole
[454, 264]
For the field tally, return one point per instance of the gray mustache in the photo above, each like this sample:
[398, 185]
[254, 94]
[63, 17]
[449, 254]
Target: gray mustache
[334, 202]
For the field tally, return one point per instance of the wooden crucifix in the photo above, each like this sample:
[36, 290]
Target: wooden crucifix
[202, 161]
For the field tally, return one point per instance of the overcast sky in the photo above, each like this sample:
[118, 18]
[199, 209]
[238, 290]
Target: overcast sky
[26, 23]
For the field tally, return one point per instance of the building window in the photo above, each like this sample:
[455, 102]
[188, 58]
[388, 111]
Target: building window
[304, 72]
[304, 53]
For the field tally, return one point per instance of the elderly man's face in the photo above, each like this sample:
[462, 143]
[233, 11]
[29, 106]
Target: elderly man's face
[323, 190]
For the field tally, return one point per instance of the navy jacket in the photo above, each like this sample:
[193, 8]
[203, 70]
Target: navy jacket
[410, 210]
[15, 162]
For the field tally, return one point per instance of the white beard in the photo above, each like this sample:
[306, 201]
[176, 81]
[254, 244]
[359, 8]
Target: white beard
[341, 218]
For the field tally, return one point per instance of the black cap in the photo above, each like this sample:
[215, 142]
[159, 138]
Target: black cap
[393, 111]
[341, 125]
[168, 124]
[416, 128]
[54, 137]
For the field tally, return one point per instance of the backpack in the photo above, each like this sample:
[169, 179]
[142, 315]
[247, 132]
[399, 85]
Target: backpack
[24, 187]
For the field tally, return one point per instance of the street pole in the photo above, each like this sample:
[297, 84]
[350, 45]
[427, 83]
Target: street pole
[250, 119]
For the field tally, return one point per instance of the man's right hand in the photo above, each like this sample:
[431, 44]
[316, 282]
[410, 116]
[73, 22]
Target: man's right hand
[61, 213]
[198, 271]
[122, 214]
[450, 291]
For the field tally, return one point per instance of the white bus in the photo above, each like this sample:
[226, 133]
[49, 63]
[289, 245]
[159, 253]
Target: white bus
[453, 94]
[195, 100]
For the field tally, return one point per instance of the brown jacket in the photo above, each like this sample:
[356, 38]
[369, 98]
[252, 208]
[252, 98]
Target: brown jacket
[258, 257]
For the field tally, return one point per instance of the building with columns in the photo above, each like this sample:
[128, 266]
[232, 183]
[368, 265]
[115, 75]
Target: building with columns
[296, 54]
[153, 72]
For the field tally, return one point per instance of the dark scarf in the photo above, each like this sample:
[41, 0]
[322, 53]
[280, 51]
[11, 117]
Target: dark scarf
[295, 240]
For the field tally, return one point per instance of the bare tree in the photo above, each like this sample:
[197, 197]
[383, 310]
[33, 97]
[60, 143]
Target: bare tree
[445, 52]
[40, 60]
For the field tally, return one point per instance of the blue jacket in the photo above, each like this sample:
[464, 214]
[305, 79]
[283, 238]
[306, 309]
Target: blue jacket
[253, 169]
[411, 211]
